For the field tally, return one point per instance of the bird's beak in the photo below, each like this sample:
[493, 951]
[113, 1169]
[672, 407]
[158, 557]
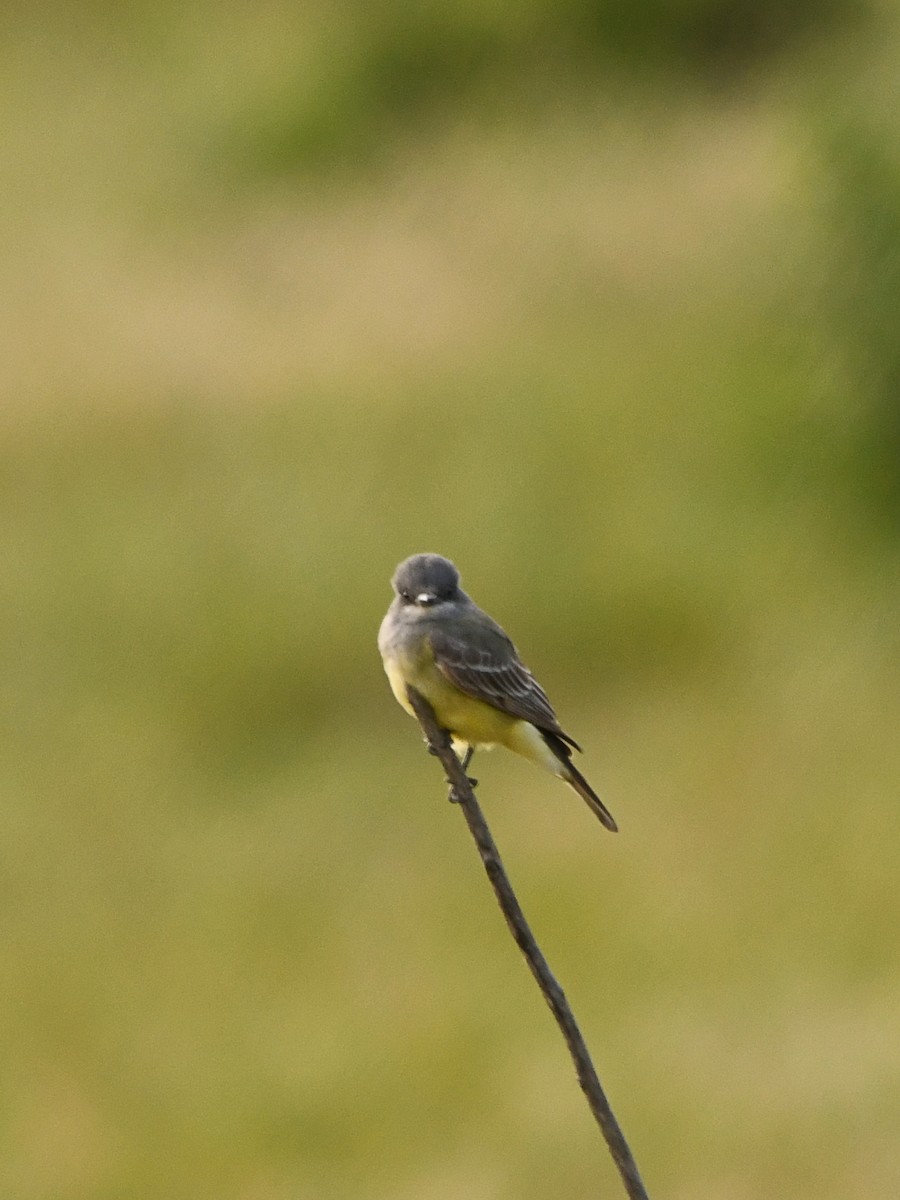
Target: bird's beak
[426, 598]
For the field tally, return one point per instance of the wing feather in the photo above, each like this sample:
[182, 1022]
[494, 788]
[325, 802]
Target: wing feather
[491, 671]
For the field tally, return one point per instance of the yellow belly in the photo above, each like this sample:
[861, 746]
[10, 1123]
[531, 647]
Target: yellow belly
[470, 721]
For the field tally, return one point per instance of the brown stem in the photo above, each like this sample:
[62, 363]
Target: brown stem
[462, 792]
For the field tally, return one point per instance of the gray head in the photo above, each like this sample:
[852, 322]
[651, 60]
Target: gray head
[426, 580]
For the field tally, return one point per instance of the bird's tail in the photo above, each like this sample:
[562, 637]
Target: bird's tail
[577, 781]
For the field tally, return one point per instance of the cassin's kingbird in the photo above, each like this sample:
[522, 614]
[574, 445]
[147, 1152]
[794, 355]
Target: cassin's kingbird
[436, 640]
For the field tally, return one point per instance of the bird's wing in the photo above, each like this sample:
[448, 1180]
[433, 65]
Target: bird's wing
[482, 662]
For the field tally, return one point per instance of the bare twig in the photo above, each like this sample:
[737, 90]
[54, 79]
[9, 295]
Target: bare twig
[461, 792]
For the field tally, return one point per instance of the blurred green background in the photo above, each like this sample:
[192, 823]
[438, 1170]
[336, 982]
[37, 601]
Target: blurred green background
[600, 302]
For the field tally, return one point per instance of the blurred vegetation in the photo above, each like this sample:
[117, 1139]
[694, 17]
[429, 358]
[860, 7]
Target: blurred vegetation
[405, 65]
[602, 305]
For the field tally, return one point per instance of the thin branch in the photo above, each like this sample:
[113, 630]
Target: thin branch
[461, 791]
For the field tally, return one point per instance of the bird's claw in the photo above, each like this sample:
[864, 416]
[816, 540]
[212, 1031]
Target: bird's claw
[453, 795]
[434, 750]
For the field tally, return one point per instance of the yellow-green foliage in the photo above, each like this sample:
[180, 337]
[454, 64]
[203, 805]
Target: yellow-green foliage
[615, 342]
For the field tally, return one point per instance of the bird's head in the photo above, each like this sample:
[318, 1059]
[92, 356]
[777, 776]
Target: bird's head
[426, 580]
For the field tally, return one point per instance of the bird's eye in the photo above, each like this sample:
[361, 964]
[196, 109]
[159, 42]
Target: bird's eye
[405, 596]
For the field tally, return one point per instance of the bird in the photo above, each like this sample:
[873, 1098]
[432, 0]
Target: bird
[435, 639]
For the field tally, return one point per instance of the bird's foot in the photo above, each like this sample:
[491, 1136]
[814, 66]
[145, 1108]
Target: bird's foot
[453, 795]
[434, 749]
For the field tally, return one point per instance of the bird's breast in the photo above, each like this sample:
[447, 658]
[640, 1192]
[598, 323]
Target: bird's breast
[409, 663]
